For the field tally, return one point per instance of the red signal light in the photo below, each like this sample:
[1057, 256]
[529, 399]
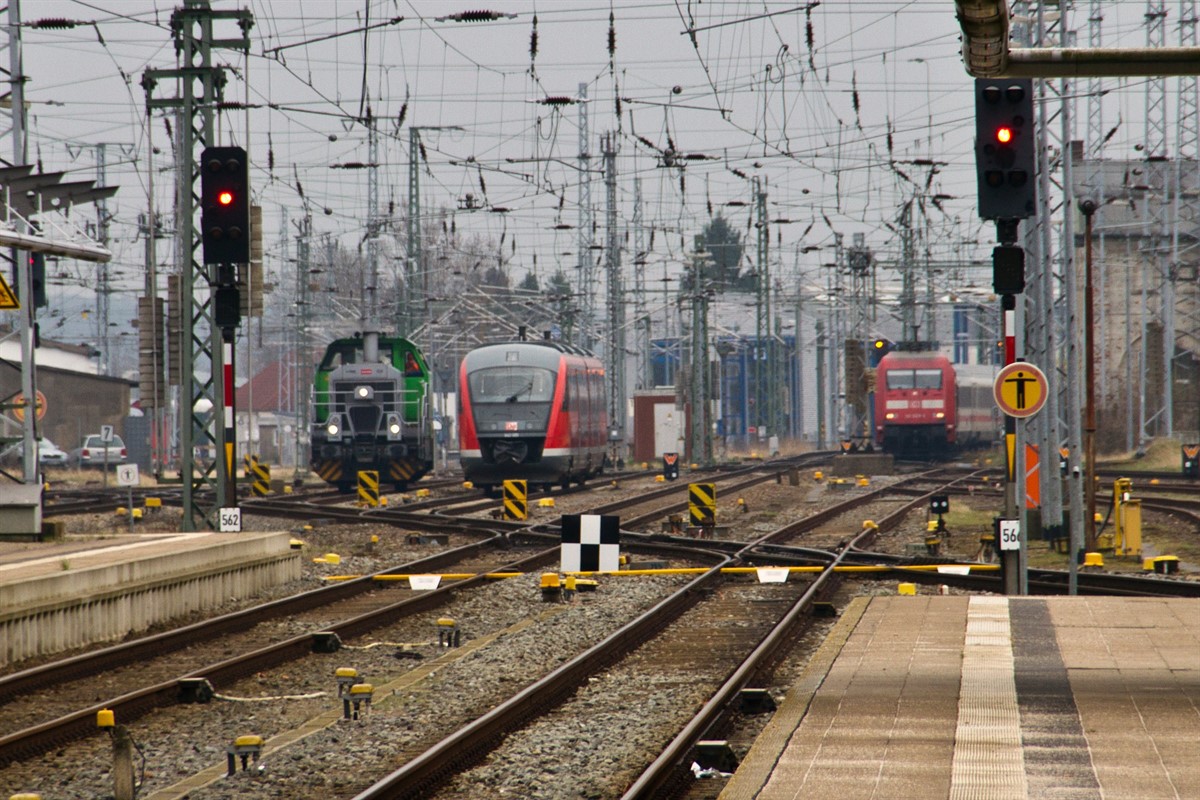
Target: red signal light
[1004, 135]
[225, 198]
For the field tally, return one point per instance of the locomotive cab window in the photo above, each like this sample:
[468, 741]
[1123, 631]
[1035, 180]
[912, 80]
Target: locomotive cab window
[900, 379]
[512, 385]
[927, 378]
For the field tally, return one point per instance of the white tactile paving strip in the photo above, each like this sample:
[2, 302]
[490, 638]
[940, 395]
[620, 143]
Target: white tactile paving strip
[988, 762]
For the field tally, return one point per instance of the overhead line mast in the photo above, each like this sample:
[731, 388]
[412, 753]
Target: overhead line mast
[201, 341]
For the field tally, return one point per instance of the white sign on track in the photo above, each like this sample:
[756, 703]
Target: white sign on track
[127, 475]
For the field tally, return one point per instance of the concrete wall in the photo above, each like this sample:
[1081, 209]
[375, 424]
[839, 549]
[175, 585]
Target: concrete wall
[76, 404]
[104, 603]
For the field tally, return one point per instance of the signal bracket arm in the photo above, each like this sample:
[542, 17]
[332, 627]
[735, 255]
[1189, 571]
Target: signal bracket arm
[987, 54]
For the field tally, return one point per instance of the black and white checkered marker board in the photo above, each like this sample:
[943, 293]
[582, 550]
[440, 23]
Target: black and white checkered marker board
[590, 543]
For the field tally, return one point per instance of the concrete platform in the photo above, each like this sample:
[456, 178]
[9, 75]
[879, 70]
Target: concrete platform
[991, 697]
[59, 595]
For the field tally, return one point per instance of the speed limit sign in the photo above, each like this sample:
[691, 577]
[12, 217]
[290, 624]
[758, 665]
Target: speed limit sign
[1010, 534]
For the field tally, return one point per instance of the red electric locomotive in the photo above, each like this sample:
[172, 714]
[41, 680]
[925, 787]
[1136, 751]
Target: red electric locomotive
[531, 410]
[924, 404]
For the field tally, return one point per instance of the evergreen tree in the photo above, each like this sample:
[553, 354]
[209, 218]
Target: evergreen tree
[723, 245]
[529, 282]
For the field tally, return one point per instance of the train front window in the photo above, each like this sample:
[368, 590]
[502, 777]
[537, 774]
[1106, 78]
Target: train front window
[511, 385]
[927, 378]
[901, 379]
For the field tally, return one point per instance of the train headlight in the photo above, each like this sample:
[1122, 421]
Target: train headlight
[940, 415]
[334, 427]
[889, 415]
[364, 393]
[393, 426]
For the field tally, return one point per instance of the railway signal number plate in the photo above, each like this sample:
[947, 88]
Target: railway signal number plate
[1010, 534]
[231, 520]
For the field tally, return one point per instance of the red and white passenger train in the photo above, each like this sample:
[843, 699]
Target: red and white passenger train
[924, 404]
[531, 410]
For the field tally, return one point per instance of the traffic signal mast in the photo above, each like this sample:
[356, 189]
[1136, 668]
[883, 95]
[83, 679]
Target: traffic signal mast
[225, 237]
[1004, 148]
[225, 227]
[1005, 168]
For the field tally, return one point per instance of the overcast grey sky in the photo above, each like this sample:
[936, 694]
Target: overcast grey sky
[837, 108]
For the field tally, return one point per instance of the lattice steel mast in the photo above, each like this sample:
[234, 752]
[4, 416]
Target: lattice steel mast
[192, 26]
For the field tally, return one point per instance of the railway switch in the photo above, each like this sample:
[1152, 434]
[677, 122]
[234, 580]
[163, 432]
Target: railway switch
[987, 546]
[755, 701]
[1164, 565]
[357, 702]
[716, 754]
[1127, 519]
[326, 642]
[448, 633]
[346, 677]
[245, 749]
[551, 586]
[195, 690]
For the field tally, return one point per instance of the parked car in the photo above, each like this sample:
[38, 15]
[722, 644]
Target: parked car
[94, 453]
[49, 454]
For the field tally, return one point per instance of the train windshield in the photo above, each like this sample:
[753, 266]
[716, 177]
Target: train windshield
[899, 379]
[512, 385]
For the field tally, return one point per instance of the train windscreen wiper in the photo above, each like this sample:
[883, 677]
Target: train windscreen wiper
[512, 398]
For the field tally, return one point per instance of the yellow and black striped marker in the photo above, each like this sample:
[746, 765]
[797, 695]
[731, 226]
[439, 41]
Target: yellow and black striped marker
[260, 474]
[516, 500]
[702, 502]
[368, 488]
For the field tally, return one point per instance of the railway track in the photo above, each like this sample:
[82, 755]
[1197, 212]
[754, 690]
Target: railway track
[792, 544]
[491, 534]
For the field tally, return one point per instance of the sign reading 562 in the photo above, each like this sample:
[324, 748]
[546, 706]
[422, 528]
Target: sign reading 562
[230, 520]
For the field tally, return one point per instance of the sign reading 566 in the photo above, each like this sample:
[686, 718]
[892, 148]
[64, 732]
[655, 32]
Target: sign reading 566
[1008, 531]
